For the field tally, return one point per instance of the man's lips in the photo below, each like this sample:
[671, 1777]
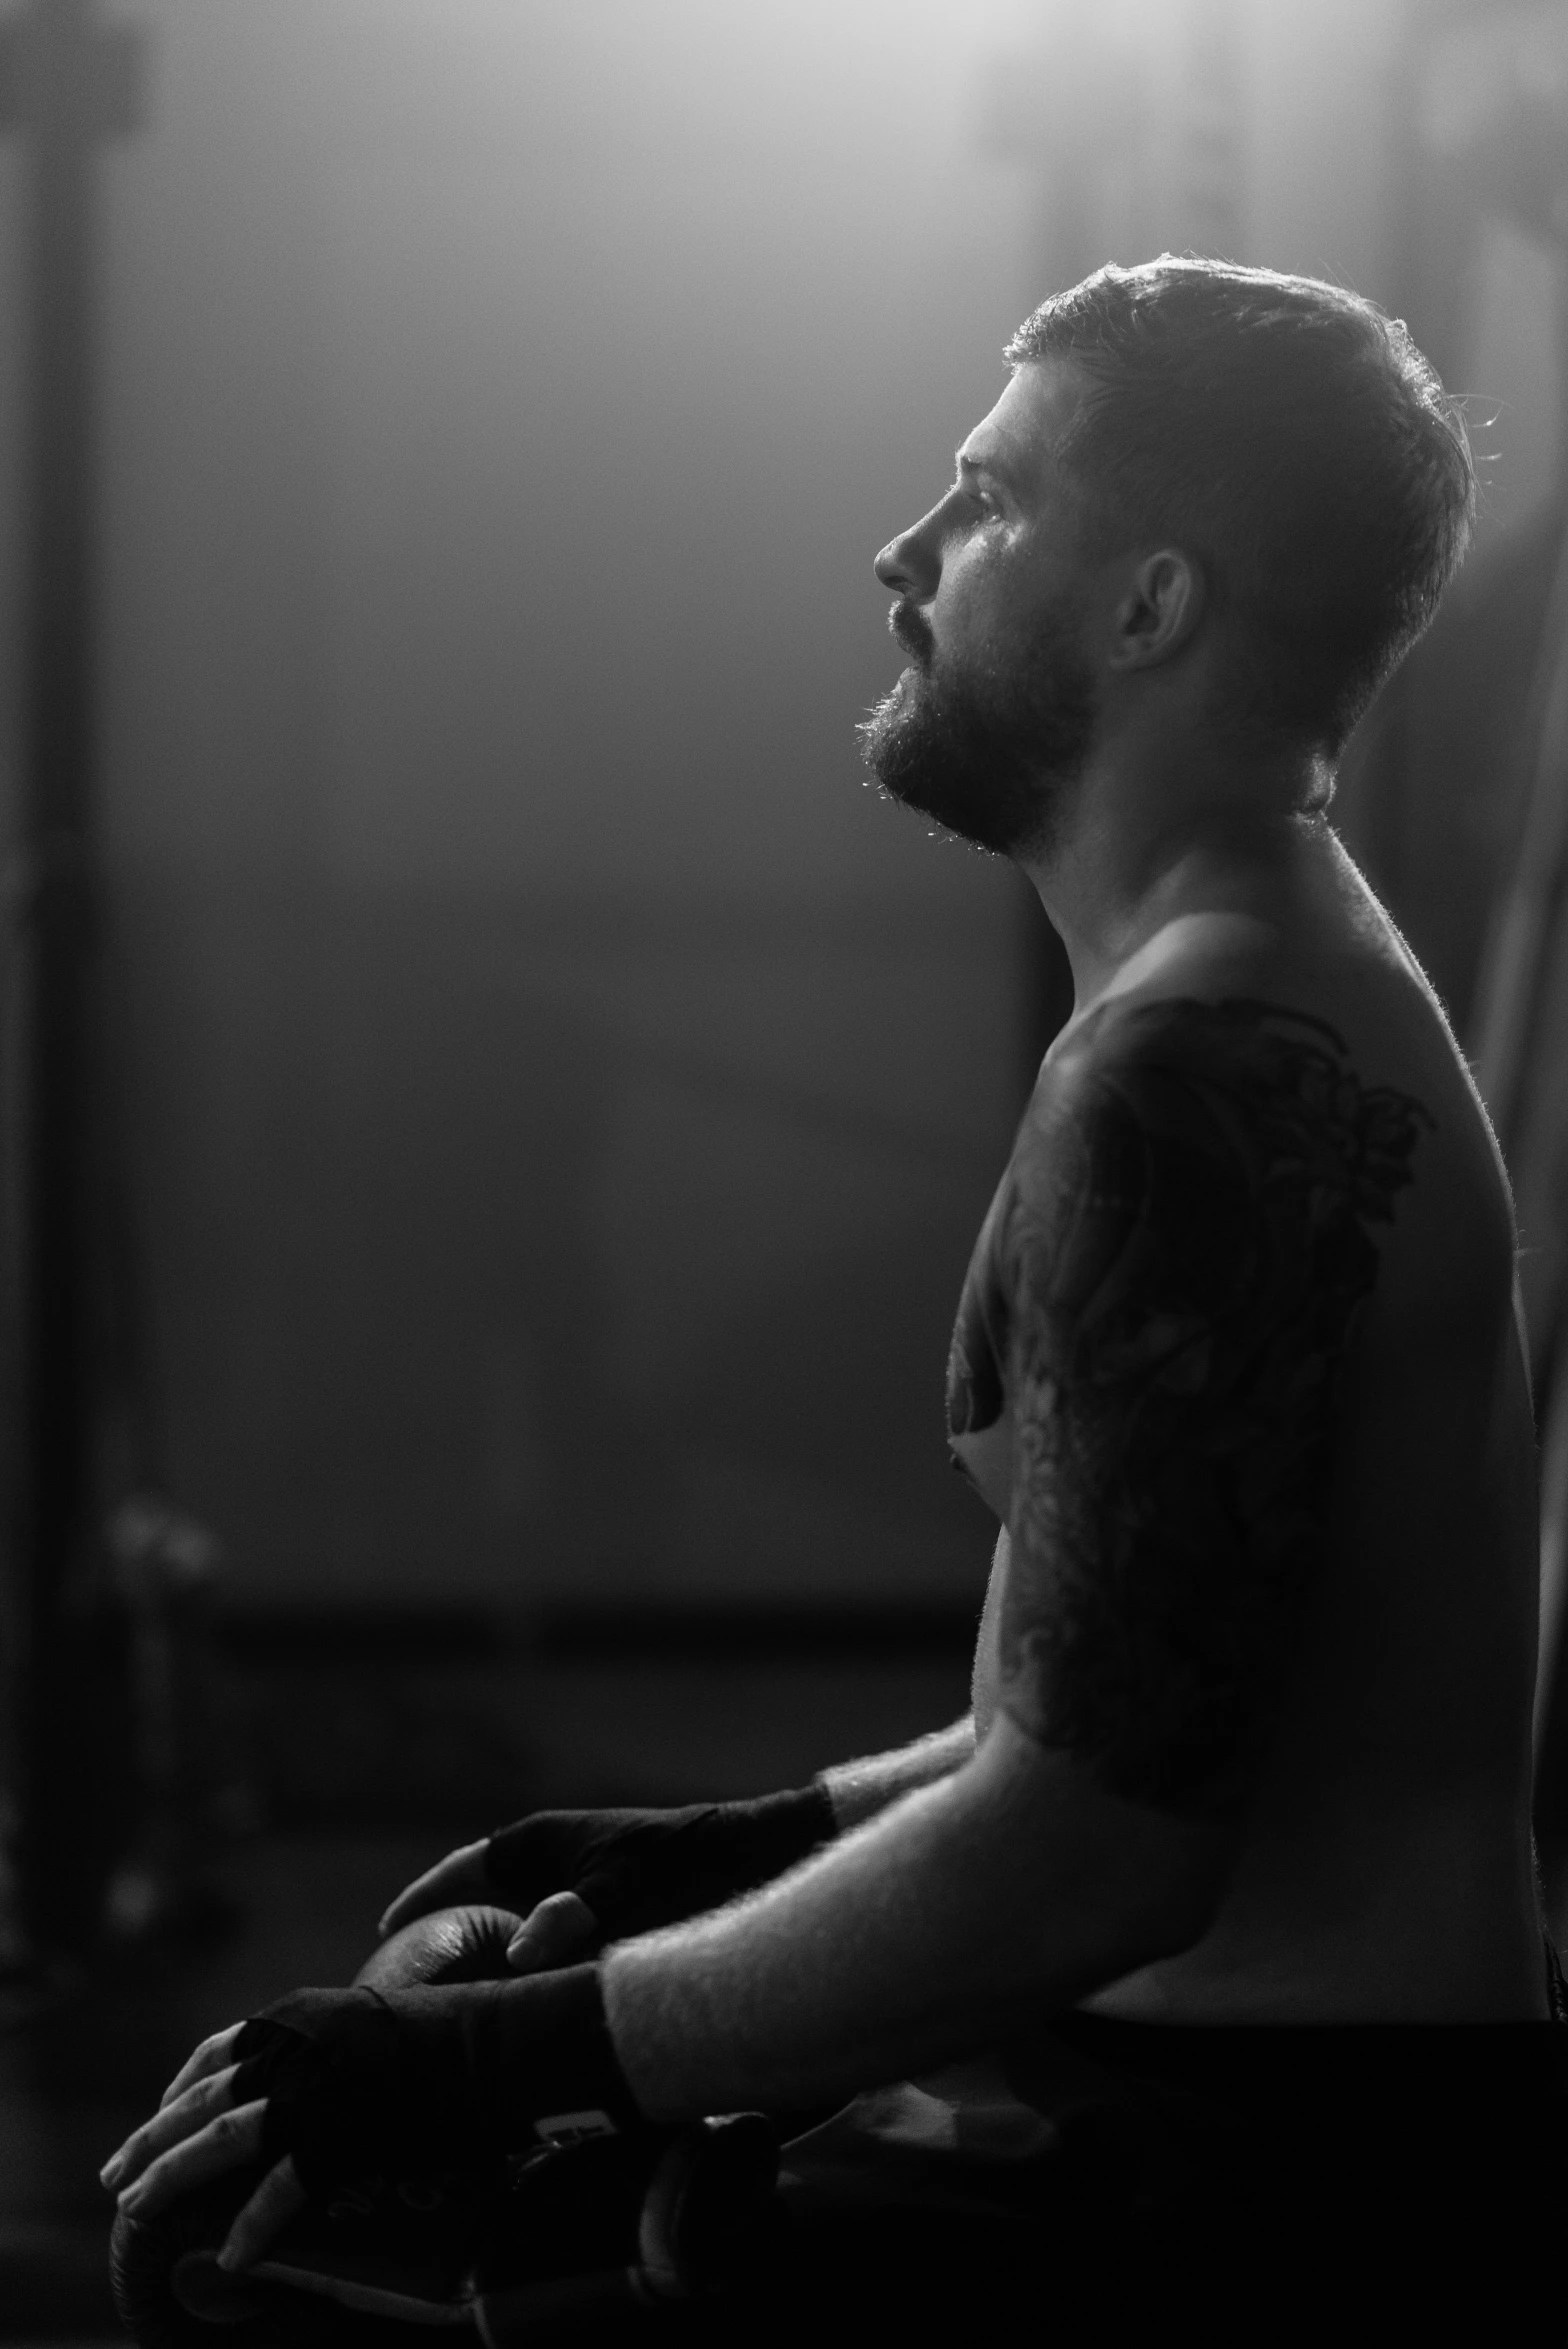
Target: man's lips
[909, 626]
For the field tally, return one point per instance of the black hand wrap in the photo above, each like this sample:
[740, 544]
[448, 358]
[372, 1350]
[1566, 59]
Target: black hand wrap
[639, 1869]
[449, 2077]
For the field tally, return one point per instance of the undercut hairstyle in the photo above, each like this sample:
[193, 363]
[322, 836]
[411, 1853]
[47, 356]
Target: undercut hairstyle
[1289, 436]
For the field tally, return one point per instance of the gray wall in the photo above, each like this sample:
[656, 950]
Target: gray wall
[561, 1096]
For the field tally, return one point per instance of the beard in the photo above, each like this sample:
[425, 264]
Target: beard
[992, 752]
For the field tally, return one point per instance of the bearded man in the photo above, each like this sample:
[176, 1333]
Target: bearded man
[1211, 1939]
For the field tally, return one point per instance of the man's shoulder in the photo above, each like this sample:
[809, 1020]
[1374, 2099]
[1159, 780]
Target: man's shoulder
[1231, 1059]
[1240, 1006]
[1313, 1084]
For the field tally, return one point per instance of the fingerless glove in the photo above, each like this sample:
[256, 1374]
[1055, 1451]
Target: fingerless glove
[639, 1869]
[447, 2077]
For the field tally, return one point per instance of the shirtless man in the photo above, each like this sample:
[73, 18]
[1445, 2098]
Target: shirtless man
[1237, 1366]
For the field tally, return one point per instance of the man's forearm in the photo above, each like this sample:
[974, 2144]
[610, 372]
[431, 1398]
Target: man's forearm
[858, 1790]
[996, 1897]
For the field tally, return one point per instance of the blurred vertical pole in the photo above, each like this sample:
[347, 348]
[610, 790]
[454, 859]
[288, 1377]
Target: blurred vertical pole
[67, 83]
[1433, 234]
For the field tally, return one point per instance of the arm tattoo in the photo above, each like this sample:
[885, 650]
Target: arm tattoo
[1166, 1289]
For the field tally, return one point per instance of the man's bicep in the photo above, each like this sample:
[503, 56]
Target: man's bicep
[1183, 1268]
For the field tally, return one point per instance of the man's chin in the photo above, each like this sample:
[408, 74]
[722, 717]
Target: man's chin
[961, 814]
[915, 766]
[997, 779]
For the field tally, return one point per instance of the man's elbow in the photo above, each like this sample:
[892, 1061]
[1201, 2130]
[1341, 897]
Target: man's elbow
[1172, 1907]
[1107, 1885]
[1178, 1910]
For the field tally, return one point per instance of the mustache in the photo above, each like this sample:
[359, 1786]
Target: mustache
[908, 624]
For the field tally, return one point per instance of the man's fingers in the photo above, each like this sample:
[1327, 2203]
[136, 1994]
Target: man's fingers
[460, 1877]
[558, 1932]
[275, 2201]
[212, 2056]
[170, 2125]
[226, 2143]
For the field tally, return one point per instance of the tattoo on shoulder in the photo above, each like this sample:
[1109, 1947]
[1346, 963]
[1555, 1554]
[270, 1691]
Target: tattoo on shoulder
[1166, 1290]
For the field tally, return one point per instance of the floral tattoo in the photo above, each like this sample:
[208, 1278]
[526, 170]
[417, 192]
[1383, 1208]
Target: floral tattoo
[1166, 1290]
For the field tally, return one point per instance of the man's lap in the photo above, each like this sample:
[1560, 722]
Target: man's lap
[1261, 2184]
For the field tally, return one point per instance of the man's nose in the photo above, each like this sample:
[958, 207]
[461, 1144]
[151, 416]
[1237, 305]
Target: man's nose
[911, 564]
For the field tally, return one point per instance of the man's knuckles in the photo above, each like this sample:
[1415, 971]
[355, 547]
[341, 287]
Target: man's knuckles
[229, 2139]
[211, 2056]
[169, 2126]
[206, 2100]
[227, 2129]
[236, 2128]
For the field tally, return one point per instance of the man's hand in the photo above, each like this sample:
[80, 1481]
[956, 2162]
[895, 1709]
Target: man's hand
[328, 2086]
[581, 1877]
[199, 2133]
[559, 1930]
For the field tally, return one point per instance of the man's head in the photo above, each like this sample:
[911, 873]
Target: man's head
[1188, 453]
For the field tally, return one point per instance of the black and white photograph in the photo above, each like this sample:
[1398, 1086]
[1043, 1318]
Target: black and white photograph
[783, 1173]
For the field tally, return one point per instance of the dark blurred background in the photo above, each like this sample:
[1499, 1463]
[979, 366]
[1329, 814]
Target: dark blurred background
[496, 1114]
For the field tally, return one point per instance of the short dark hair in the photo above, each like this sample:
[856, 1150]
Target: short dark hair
[1292, 438]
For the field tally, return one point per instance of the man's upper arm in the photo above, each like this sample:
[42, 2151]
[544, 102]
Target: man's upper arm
[1177, 1269]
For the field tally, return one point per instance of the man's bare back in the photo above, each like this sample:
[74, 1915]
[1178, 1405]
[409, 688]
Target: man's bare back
[1384, 1868]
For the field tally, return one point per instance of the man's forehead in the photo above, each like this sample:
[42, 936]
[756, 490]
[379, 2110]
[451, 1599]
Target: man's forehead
[1016, 440]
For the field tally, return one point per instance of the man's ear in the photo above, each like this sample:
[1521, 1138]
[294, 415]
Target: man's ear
[1158, 610]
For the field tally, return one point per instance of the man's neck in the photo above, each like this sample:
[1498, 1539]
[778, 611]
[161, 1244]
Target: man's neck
[1149, 844]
